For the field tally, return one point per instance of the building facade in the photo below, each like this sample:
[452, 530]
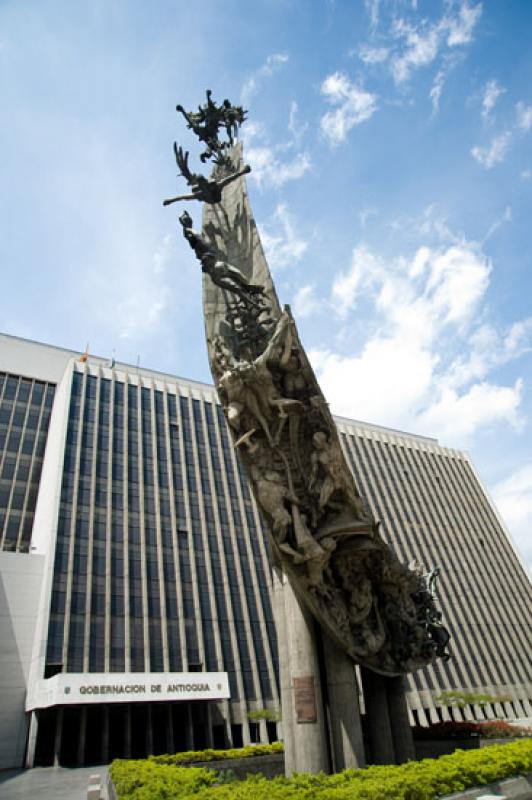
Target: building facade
[122, 496]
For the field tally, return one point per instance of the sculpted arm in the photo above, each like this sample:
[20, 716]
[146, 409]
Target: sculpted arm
[181, 197]
[230, 178]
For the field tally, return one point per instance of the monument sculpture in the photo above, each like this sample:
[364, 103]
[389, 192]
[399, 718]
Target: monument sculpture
[380, 613]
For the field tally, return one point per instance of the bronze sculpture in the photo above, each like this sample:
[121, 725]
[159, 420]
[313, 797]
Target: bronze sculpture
[322, 533]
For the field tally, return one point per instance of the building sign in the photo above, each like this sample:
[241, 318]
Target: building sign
[69, 688]
[305, 699]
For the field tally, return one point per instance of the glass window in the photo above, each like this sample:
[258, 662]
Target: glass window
[10, 388]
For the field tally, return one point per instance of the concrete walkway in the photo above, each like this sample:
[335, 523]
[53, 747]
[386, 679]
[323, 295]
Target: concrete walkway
[49, 783]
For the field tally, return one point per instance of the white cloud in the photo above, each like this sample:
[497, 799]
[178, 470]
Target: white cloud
[524, 116]
[346, 284]
[275, 165]
[492, 92]
[373, 55]
[503, 219]
[420, 43]
[421, 49]
[252, 84]
[449, 62]
[435, 288]
[518, 340]
[429, 347]
[456, 417]
[354, 106]
[254, 130]
[459, 278]
[383, 384]
[436, 90]
[513, 497]
[305, 302]
[296, 130]
[526, 175]
[268, 170]
[460, 28]
[372, 10]
[283, 247]
[488, 349]
[495, 153]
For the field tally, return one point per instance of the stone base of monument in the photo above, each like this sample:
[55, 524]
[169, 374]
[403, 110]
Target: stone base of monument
[321, 716]
[389, 736]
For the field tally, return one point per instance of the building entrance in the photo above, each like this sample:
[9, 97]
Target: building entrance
[78, 736]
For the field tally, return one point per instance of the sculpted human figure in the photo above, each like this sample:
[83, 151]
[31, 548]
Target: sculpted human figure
[206, 190]
[272, 494]
[208, 120]
[222, 274]
[359, 588]
[223, 359]
[274, 358]
[294, 382]
[431, 579]
[328, 473]
[249, 385]
[373, 636]
[319, 559]
[240, 397]
[233, 117]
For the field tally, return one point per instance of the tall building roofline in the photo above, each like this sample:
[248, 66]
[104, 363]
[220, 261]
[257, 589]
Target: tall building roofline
[132, 369]
[384, 428]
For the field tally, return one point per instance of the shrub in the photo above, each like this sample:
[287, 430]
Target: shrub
[191, 756]
[144, 780]
[416, 780]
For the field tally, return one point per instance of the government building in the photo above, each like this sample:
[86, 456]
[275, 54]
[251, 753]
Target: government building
[135, 581]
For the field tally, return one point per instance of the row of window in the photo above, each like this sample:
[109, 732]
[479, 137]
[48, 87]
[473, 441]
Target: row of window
[147, 509]
[25, 407]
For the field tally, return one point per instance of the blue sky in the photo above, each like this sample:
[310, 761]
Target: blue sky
[392, 179]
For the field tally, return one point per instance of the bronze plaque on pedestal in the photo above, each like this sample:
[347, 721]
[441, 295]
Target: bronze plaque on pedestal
[305, 699]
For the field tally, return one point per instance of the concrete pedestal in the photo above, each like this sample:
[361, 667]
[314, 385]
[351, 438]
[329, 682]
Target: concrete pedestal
[321, 718]
[304, 724]
[343, 710]
[319, 697]
[403, 741]
[389, 735]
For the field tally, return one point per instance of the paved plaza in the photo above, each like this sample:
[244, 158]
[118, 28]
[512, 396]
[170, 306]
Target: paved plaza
[49, 783]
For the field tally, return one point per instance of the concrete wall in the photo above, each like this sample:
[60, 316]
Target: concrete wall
[20, 585]
[32, 359]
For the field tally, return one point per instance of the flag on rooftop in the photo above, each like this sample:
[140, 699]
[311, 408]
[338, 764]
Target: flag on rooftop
[83, 358]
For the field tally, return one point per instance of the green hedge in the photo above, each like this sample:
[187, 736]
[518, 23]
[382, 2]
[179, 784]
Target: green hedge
[191, 756]
[416, 780]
